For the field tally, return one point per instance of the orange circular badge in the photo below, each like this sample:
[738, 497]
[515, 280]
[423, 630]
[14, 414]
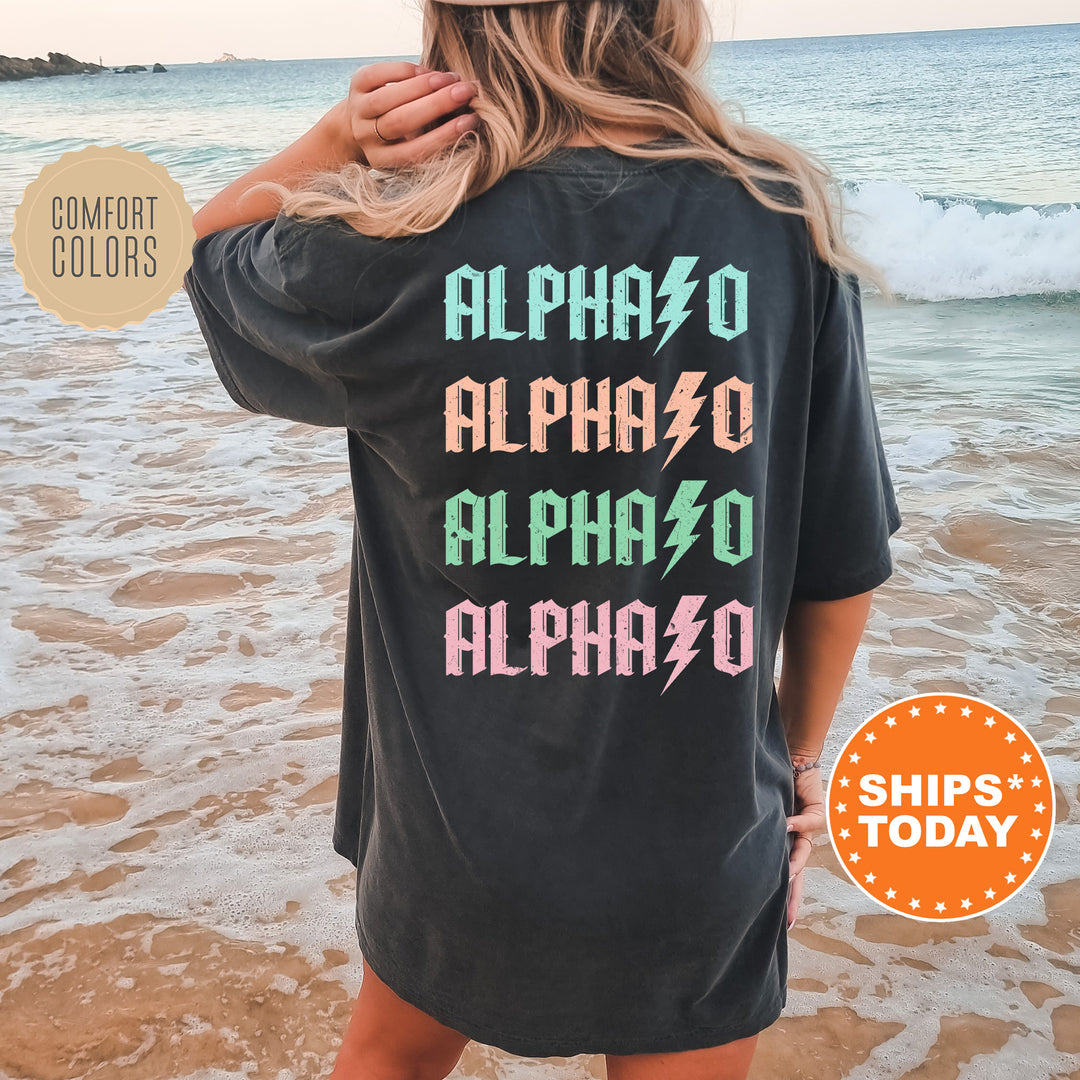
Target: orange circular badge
[940, 807]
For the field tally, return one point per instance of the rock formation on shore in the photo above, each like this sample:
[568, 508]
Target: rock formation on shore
[14, 67]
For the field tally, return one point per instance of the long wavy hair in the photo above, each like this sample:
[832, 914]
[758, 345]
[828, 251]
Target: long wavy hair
[554, 71]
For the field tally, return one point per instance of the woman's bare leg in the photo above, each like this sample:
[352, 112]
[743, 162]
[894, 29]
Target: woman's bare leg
[728, 1062]
[389, 1039]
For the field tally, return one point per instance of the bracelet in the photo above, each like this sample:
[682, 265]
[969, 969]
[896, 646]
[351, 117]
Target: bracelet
[796, 769]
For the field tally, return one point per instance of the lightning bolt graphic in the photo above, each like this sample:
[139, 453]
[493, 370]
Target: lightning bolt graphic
[678, 290]
[686, 628]
[686, 407]
[685, 514]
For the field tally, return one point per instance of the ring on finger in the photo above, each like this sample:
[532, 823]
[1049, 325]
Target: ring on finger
[381, 136]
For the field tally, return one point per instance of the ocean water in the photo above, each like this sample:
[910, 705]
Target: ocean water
[175, 570]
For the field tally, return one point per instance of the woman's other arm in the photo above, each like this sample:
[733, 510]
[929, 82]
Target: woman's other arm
[404, 97]
[819, 638]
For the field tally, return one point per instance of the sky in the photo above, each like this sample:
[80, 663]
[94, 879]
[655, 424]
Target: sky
[142, 32]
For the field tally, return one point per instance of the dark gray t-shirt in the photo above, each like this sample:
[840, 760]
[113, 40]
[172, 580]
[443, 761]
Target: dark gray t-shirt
[602, 426]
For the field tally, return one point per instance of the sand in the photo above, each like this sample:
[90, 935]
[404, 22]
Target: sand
[170, 903]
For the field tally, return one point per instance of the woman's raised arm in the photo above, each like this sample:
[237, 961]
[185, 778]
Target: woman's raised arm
[404, 98]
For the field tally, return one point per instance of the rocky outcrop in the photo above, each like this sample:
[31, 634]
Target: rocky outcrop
[159, 67]
[14, 67]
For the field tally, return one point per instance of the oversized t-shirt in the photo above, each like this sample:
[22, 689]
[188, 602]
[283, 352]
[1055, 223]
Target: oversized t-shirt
[603, 425]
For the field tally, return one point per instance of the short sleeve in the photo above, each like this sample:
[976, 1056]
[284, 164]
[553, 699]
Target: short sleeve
[849, 508]
[244, 285]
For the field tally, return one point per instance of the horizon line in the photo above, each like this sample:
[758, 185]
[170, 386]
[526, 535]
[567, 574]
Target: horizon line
[715, 41]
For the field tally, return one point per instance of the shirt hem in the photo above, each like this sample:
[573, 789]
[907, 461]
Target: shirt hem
[869, 579]
[213, 344]
[563, 1044]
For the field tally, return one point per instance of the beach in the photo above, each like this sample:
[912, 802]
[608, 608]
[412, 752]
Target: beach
[175, 589]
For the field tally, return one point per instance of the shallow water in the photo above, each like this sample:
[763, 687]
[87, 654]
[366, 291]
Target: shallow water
[175, 588]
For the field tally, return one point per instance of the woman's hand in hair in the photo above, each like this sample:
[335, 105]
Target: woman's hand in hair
[419, 112]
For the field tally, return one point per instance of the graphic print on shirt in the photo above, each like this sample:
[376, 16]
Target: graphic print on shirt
[624, 526]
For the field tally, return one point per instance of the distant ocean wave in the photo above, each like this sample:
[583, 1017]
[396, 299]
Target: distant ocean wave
[931, 247]
[945, 247]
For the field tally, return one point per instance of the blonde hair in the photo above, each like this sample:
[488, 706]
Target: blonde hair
[552, 71]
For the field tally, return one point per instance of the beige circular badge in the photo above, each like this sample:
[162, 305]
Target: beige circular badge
[103, 237]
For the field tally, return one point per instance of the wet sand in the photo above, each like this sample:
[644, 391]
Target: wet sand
[170, 903]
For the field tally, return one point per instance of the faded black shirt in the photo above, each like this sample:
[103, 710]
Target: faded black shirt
[602, 426]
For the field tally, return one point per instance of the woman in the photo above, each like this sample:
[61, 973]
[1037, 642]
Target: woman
[597, 349]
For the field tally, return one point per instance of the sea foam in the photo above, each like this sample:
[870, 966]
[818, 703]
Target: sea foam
[951, 248]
